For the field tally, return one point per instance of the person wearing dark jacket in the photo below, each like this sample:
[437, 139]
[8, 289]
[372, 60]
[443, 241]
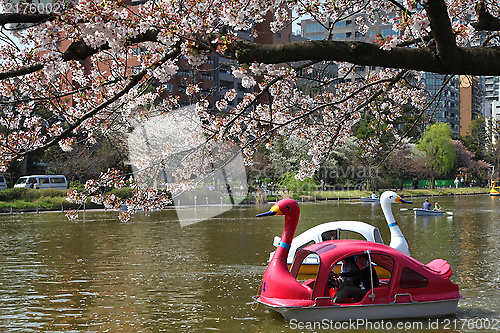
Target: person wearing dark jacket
[349, 289]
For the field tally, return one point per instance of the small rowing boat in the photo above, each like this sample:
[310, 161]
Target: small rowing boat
[369, 199]
[427, 212]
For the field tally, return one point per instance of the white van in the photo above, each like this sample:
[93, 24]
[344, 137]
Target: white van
[3, 183]
[43, 182]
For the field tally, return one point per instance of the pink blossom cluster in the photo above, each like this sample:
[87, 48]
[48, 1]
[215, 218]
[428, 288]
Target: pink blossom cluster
[97, 192]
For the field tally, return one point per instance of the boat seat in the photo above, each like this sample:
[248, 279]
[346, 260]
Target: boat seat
[331, 292]
[309, 283]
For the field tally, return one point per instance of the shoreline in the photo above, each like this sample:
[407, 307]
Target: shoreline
[325, 196]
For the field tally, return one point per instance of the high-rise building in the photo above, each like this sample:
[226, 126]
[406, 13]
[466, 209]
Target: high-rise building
[445, 107]
[471, 95]
[491, 94]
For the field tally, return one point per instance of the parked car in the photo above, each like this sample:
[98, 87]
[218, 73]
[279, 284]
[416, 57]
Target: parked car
[3, 183]
[43, 181]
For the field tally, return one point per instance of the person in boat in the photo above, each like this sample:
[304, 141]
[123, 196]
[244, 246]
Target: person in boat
[437, 206]
[369, 280]
[349, 265]
[374, 196]
[330, 235]
[427, 204]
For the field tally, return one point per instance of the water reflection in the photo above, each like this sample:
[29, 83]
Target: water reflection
[152, 275]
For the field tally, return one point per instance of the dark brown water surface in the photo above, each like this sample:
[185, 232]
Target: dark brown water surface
[152, 275]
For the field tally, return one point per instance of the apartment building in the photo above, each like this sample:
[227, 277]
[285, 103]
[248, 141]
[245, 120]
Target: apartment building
[445, 106]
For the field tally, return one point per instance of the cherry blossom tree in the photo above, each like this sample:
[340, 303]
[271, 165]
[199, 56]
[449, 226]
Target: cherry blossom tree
[467, 162]
[68, 69]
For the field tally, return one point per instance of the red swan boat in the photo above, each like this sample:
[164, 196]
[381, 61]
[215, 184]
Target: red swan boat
[409, 289]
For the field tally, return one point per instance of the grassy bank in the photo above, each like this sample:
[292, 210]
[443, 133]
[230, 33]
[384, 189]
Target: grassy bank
[356, 195]
[27, 199]
[411, 193]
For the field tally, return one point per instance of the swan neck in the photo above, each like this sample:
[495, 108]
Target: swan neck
[286, 237]
[389, 218]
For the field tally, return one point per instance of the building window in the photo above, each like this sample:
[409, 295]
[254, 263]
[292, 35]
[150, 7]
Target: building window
[313, 28]
[184, 72]
[139, 51]
[225, 69]
[136, 69]
[226, 84]
[318, 37]
[388, 32]
[360, 69]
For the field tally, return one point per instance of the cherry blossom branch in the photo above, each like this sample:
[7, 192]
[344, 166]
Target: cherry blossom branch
[391, 82]
[58, 96]
[417, 118]
[78, 50]
[258, 96]
[490, 38]
[135, 79]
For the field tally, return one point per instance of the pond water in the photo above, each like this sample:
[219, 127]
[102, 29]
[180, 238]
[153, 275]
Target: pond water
[154, 275]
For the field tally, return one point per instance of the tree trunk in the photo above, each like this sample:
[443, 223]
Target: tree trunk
[24, 166]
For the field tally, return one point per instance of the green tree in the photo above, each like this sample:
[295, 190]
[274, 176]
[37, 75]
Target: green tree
[297, 186]
[477, 138]
[439, 148]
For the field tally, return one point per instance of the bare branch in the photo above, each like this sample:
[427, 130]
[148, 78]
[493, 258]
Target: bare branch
[447, 49]
[486, 21]
[468, 61]
[12, 18]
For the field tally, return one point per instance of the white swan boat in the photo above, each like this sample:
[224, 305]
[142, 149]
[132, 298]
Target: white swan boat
[348, 230]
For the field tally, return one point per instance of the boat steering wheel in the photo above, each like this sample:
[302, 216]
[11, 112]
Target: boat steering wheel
[333, 281]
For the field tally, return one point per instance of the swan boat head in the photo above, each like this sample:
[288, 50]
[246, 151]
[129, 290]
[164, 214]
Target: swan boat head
[277, 281]
[398, 241]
